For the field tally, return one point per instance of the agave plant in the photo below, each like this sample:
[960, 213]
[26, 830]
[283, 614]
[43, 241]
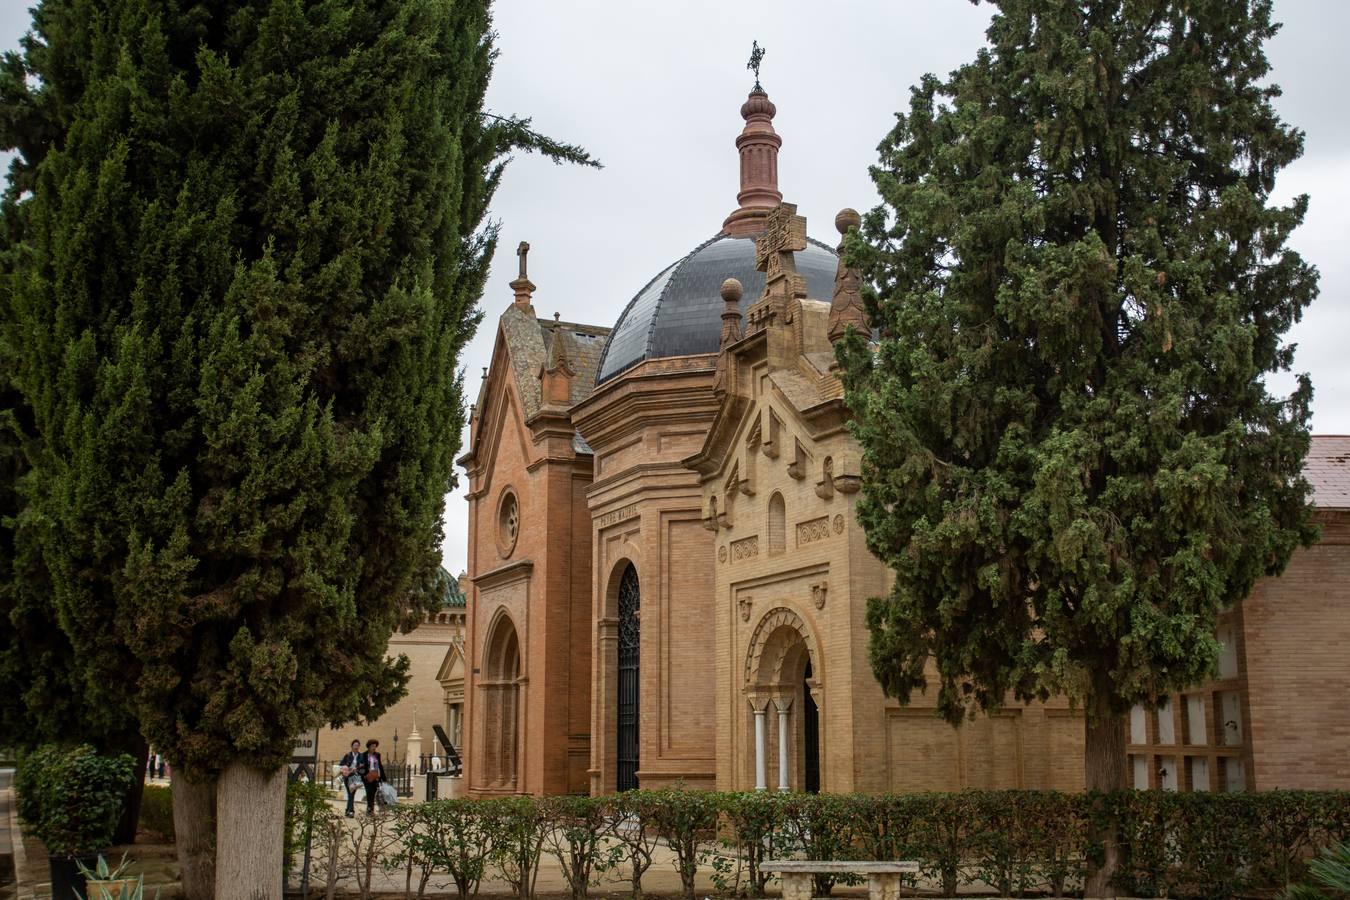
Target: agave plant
[102, 873]
[1331, 874]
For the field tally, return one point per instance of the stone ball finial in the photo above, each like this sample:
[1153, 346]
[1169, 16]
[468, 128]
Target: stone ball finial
[846, 219]
[732, 290]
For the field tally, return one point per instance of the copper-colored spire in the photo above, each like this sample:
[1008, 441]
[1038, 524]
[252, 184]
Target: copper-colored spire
[758, 144]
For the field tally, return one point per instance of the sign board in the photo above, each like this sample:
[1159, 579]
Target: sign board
[305, 748]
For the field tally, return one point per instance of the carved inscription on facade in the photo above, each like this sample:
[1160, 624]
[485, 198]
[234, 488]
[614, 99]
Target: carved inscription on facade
[618, 515]
[745, 548]
[813, 530]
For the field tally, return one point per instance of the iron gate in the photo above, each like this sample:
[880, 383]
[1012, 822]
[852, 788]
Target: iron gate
[629, 657]
[811, 733]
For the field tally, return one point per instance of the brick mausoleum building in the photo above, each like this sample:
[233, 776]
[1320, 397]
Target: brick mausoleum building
[667, 581]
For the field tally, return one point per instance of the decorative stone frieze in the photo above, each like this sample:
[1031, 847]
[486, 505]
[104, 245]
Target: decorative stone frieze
[745, 548]
[813, 530]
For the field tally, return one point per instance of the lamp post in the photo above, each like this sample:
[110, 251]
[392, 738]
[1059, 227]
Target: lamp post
[395, 746]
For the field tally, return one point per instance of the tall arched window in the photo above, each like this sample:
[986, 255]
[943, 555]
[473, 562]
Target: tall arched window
[777, 529]
[501, 700]
[630, 632]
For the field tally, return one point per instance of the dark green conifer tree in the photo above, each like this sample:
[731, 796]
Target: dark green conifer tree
[251, 252]
[1071, 459]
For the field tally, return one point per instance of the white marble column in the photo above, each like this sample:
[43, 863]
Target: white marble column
[783, 705]
[761, 766]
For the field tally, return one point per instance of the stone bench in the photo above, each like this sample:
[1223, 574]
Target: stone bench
[797, 875]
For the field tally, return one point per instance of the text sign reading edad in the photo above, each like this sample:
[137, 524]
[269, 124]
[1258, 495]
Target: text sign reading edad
[305, 748]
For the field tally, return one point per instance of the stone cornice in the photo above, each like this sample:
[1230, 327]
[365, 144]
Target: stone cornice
[710, 457]
[674, 469]
[582, 462]
[647, 395]
[507, 574]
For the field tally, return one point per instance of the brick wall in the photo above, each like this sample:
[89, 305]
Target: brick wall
[1297, 635]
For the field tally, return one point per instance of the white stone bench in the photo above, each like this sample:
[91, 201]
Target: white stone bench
[798, 875]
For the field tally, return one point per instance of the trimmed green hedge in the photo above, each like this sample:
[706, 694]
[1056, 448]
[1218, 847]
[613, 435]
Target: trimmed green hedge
[1017, 842]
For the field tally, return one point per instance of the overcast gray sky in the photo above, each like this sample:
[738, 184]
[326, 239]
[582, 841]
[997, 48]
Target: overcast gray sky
[654, 88]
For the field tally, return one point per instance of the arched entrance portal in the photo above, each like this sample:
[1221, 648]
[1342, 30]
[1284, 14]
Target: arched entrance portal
[500, 689]
[630, 602]
[782, 682]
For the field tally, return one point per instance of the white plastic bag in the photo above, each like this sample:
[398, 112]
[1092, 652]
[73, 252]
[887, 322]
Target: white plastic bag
[353, 782]
[388, 796]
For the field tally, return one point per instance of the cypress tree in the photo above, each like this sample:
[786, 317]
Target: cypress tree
[1071, 459]
[251, 252]
[44, 697]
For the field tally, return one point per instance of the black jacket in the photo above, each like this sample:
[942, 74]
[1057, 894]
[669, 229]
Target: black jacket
[364, 764]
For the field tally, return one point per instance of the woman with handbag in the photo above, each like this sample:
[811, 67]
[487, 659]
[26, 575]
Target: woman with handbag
[350, 779]
[371, 769]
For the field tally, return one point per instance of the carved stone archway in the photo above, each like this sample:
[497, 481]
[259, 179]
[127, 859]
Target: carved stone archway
[767, 653]
[784, 676]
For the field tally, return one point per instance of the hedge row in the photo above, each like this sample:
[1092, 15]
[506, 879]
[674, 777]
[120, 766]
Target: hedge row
[1017, 842]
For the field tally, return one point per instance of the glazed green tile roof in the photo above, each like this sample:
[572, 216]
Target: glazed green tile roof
[452, 596]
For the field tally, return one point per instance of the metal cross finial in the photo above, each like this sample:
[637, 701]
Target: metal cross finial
[522, 251]
[756, 54]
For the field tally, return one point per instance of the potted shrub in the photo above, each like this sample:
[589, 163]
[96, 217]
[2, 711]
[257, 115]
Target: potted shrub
[70, 798]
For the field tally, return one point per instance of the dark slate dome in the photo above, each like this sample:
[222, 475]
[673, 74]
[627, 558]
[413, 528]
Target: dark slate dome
[679, 312]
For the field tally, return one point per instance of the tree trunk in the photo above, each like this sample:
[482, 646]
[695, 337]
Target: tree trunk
[1104, 771]
[131, 802]
[250, 819]
[194, 828]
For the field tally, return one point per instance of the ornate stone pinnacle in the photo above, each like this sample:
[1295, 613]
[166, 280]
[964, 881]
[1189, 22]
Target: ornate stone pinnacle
[846, 307]
[758, 146]
[731, 291]
[523, 287]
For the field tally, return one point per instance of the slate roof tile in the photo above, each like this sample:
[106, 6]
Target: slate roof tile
[1327, 469]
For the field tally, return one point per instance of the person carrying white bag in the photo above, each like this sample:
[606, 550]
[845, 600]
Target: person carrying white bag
[371, 769]
[350, 779]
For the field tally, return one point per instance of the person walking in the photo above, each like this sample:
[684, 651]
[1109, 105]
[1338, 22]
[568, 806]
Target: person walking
[371, 770]
[350, 763]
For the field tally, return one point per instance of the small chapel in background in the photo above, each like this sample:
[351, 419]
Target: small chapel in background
[667, 582]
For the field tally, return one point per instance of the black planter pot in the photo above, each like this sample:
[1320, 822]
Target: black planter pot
[67, 882]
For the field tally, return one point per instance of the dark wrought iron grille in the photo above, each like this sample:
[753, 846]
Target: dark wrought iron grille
[629, 656]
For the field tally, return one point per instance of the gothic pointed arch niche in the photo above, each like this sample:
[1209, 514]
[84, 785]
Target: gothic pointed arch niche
[783, 680]
[500, 693]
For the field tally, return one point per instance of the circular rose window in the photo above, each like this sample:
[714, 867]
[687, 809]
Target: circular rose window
[508, 523]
